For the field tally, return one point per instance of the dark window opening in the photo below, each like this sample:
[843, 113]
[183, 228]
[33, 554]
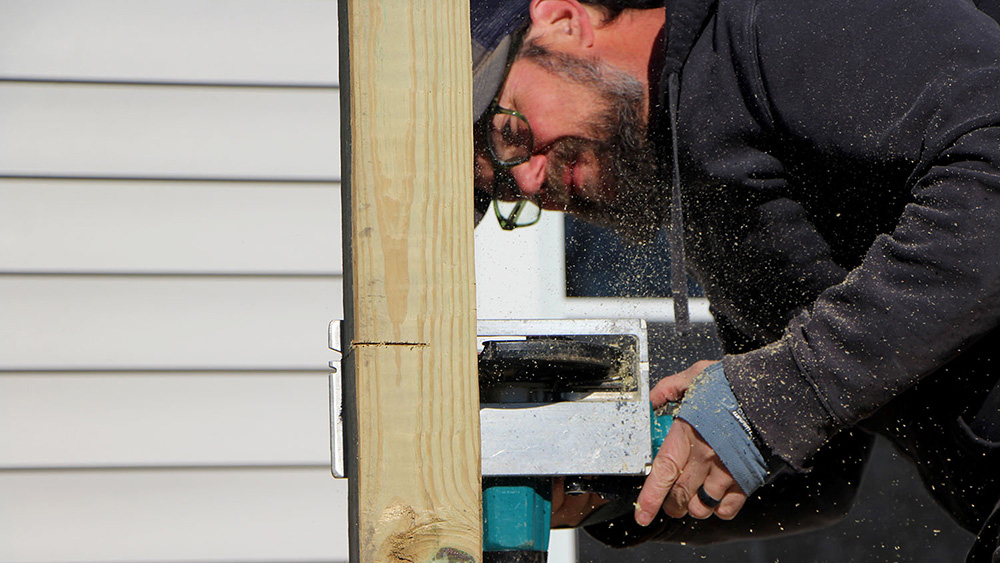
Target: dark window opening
[599, 263]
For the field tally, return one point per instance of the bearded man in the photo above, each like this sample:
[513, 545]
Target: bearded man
[831, 175]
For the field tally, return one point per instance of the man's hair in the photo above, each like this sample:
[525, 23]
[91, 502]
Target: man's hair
[614, 8]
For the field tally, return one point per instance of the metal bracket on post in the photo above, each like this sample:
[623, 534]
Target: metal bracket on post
[336, 404]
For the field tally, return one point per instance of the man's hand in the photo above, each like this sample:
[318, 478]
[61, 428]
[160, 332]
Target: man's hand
[568, 511]
[684, 463]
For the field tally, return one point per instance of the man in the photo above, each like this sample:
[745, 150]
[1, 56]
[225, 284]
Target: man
[838, 169]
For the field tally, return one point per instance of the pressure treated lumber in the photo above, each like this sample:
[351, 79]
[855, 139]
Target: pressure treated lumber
[411, 391]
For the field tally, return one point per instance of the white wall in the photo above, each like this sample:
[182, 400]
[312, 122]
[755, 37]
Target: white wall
[163, 351]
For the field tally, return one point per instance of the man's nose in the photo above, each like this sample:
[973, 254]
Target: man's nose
[530, 175]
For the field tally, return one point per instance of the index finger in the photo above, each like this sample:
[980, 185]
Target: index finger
[667, 467]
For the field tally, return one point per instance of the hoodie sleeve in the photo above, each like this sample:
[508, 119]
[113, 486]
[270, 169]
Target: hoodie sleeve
[917, 83]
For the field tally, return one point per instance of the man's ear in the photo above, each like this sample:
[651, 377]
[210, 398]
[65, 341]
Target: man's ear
[562, 23]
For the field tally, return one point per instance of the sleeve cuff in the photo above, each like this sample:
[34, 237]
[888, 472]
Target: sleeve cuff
[711, 408]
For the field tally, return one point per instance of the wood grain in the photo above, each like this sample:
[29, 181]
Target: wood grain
[410, 372]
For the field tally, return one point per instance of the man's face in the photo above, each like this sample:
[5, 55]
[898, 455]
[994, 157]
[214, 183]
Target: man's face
[591, 157]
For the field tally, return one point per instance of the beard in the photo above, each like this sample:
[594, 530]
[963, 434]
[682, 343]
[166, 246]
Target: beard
[634, 200]
[635, 204]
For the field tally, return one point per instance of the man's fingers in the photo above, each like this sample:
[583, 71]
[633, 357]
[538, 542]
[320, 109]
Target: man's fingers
[672, 388]
[702, 463]
[575, 509]
[679, 498]
[711, 494]
[569, 510]
[685, 467]
[667, 467]
[731, 504]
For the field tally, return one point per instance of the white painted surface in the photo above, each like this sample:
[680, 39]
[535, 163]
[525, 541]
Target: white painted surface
[179, 40]
[508, 263]
[100, 323]
[173, 419]
[80, 446]
[159, 131]
[521, 274]
[181, 515]
[169, 227]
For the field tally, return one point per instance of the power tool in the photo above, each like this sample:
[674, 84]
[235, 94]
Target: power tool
[558, 398]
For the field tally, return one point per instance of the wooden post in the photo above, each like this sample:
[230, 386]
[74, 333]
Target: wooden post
[410, 381]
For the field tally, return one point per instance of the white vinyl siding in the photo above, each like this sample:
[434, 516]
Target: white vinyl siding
[271, 514]
[169, 131]
[265, 41]
[169, 227]
[169, 260]
[163, 322]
